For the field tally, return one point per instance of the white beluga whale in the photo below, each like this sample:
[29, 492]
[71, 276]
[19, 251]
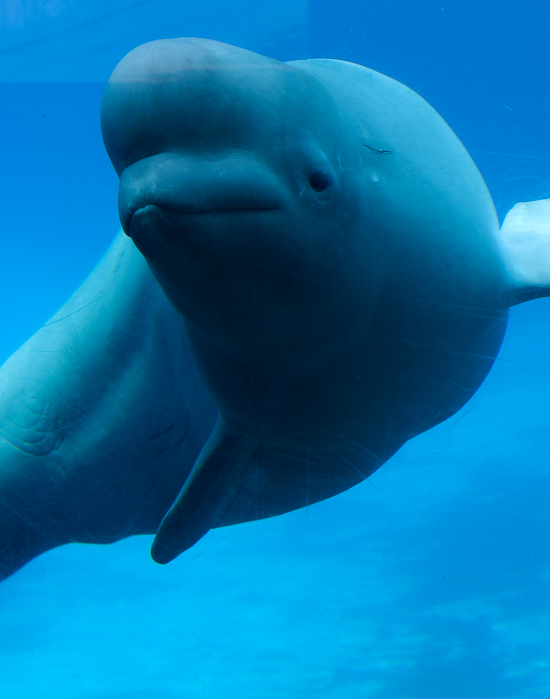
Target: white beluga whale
[321, 276]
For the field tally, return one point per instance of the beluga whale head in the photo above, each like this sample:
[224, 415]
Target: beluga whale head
[333, 251]
[233, 187]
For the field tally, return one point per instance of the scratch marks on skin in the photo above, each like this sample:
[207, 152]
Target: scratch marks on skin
[133, 524]
[167, 433]
[384, 151]
[78, 310]
[435, 348]
[46, 443]
[12, 444]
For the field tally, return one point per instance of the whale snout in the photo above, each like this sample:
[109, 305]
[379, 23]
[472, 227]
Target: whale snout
[188, 186]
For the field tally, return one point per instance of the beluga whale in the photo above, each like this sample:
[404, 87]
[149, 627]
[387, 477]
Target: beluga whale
[311, 273]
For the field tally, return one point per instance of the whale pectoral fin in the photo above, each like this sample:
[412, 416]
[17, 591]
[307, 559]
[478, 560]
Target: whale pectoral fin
[207, 492]
[525, 244]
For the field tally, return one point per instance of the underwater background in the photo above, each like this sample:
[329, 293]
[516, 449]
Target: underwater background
[432, 578]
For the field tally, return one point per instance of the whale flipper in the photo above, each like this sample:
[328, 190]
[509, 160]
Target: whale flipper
[525, 240]
[207, 492]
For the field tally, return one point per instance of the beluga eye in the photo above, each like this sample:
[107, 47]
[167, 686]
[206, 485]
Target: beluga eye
[320, 180]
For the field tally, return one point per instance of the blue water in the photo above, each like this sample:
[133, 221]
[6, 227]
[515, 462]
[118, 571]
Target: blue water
[429, 580]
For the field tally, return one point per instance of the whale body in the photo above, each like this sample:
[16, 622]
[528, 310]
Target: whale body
[314, 274]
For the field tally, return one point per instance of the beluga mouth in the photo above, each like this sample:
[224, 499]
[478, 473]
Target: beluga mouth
[181, 189]
[154, 220]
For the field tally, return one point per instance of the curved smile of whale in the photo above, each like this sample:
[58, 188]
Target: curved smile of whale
[168, 186]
